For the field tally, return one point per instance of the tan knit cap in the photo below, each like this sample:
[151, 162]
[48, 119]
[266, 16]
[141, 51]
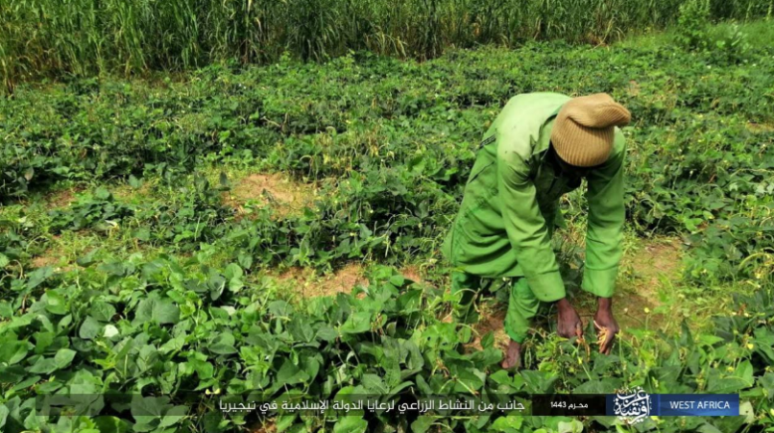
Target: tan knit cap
[583, 131]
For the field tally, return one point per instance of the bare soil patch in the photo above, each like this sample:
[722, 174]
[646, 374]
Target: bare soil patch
[760, 127]
[415, 274]
[51, 256]
[62, 198]
[309, 284]
[48, 258]
[55, 255]
[654, 265]
[492, 319]
[127, 193]
[267, 426]
[634, 302]
[285, 196]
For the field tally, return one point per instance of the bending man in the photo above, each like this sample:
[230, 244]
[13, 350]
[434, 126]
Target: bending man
[538, 148]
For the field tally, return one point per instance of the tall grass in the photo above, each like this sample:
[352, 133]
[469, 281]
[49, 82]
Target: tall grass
[79, 37]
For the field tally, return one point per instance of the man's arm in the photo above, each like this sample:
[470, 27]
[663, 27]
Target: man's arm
[604, 235]
[527, 229]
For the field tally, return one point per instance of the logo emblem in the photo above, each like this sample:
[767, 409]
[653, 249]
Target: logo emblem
[632, 406]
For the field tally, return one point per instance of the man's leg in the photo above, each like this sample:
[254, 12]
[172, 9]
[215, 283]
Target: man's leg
[468, 286]
[522, 307]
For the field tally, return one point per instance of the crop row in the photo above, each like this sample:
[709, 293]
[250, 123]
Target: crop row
[399, 140]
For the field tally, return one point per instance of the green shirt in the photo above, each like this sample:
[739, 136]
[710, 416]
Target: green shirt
[511, 205]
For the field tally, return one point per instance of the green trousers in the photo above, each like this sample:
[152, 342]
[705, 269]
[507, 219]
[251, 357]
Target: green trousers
[522, 303]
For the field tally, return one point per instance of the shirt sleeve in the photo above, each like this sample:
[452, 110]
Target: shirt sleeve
[526, 229]
[604, 234]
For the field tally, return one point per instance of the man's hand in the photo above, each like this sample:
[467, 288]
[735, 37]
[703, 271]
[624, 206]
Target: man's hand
[569, 323]
[605, 322]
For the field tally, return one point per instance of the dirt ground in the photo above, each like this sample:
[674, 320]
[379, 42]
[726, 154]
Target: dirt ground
[492, 320]
[760, 127]
[307, 283]
[48, 258]
[646, 272]
[126, 193]
[267, 426]
[285, 196]
[655, 269]
[62, 198]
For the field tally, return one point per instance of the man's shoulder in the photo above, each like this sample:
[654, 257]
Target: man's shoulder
[538, 98]
[520, 122]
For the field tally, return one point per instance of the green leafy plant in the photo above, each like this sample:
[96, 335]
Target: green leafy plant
[692, 24]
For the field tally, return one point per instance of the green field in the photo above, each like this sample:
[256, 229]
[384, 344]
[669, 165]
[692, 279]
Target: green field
[80, 38]
[275, 230]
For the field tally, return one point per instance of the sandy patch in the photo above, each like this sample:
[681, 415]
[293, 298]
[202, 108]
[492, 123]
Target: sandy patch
[61, 199]
[266, 426]
[492, 319]
[656, 260]
[760, 128]
[48, 258]
[307, 283]
[127, 193]
[654, 265]
[634, 302]
[55, 257]
[285, 196]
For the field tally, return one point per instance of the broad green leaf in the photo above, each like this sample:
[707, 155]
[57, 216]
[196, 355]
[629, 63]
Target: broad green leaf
[745, 372]
[111, 331]
[147, 412]
[573, 426]
[422, 423]
[327, 333]
[6, 311]
[147, 357]
[708, 428]
[102, 193]
[507, 424]
[234, 274]
[746, 410]
[350, 424]
[111, 424]
[224, 344]
[134, 182]
[284, 422]
[63, 358]
[90, 328]
[102, 311]
[173, 416]
[87, 259]
[11, 352]
[764, 343]
[33, 421]
[357, 323]
[593, 387]
[469, 380]
[289, 374]
[43, 366]
[56, 303]
[161, 311]
[374, 384]
[38, 276]
[4, 411]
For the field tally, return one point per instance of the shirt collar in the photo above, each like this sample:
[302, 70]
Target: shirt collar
[545, 136]
[544, 140]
